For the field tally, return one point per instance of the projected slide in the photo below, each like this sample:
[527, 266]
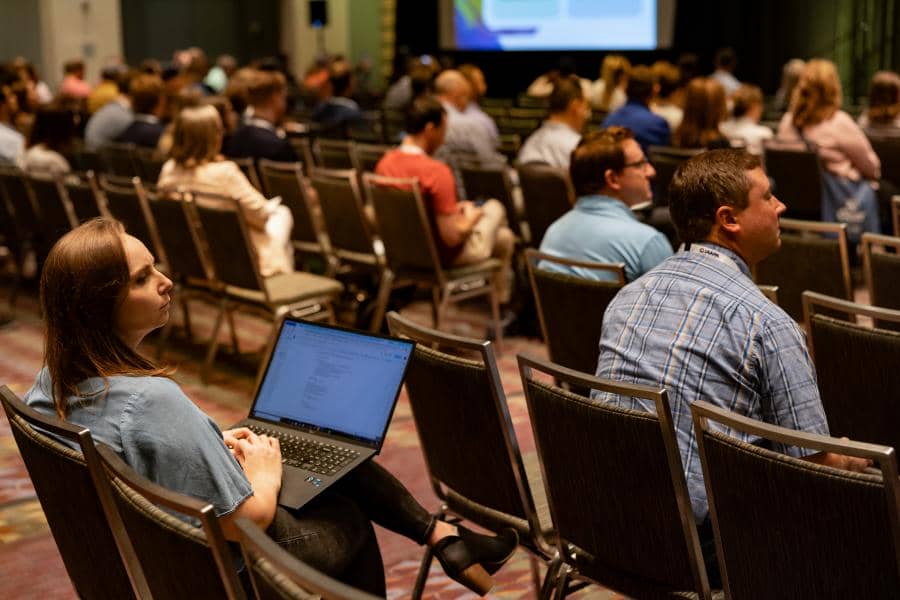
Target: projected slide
[554, 24]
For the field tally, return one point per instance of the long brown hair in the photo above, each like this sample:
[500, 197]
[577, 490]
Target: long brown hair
[84, 280]
[817, 95]
[704, 109]
[884, 97]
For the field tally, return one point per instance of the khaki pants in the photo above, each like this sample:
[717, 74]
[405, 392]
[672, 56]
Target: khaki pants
[491, 238]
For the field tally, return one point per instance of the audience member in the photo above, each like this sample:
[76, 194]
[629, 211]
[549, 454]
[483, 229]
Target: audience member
[227, 114]
[420, 70]
[554, 141]
[689, 65]
[148, 104]
[667, 103]
[882, 117]
[725, 60]
[259, 136]
[217, 77]
[51, 136]
[338, 110]
[73, 84]
[108, 123]
[542, 87]
[464, 135]
[790, 75]
[174, 105]
[12, 143]
[236, 89]
[101, 295]
[698, 326]
[610, 174]
[196, 141]
[478, 86]
[704, 109]
[608, 92]
[464, 233]
[649, 129]
[743, 127]
[108, 89]
[42, 92]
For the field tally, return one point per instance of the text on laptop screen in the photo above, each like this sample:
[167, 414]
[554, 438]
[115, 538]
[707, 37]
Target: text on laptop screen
[333, 380]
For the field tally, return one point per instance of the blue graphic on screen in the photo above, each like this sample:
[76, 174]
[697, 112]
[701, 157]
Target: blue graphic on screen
[555, 24]
[333, 380]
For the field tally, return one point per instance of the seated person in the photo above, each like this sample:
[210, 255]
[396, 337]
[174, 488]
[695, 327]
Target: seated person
[195, 165]
[704, 109]
[12, 142]
[649, 129]
[667, 103]
[101, 295]
[610, 174]
[338, 110]
[110, 121]
[743, 127]
[259, 136]
[52, 134]
[478, 85]
[465, 135]
[148, 104]
[554, 141]
[465, 233]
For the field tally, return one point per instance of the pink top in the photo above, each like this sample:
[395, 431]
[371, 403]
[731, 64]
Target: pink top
[73, 87]
[843, 147]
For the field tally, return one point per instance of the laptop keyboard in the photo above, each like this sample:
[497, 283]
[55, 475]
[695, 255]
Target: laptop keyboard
[304, 453]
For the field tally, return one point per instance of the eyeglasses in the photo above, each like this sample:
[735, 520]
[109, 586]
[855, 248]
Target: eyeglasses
[640, 164]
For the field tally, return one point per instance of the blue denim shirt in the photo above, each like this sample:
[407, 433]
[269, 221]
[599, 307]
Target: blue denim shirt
[699, 327]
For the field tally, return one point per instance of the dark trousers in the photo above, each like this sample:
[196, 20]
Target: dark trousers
[334, 533]
[708, 549]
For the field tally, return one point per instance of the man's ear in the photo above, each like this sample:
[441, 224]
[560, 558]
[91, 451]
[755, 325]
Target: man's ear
[611, 178]
[726, 219]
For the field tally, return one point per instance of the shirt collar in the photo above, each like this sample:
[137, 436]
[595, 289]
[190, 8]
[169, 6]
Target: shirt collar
[599, 203]
[734, 256]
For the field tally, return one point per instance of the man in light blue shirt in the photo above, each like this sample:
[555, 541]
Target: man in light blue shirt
[610, 174]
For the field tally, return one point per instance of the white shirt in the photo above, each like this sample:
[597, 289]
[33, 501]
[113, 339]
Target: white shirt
[745, 130]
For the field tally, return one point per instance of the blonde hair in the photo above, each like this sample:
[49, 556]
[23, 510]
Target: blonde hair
[614, 71]
[817, 95]
[197, 136]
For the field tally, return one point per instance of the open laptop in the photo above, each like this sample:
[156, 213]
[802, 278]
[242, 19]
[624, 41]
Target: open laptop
[327, 393]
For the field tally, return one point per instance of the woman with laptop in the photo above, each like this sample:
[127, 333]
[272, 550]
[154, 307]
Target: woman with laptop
[101, 295]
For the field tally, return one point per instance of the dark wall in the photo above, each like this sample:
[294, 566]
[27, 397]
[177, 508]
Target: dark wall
[765, 34]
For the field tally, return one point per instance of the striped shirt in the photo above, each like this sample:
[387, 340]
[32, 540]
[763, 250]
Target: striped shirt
[697, 326]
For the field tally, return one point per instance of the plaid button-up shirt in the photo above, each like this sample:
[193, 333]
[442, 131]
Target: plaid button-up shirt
[697, 326]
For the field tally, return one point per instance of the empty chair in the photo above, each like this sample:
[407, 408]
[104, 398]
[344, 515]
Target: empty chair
[393, 125]
[303, 150]
[411, 253]
[248, 168]
[665, 161]
[887, 147]
[616, 488]
[788, 528]
[521, 126]
[346, 223]
[333, 154]
[82, 192]
[813, 256]
[459, 383]
[120, 160]
[179, 560]
[797, 173]
[881, 263]
[67, 479]
[486, 182]
[277, 575]
[854, 368]
[547, 193]
[150, 164]
[366, 156]
[125, 199]
[572, 342]
[57, 216]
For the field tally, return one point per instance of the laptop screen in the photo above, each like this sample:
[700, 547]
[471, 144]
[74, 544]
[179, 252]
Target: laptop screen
[333, 380]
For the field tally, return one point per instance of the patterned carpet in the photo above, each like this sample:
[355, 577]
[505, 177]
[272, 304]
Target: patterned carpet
[30, 566]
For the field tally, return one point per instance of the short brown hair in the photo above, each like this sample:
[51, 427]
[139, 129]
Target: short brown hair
[263, 85]
[884, 97]
[668, 76]
[565, 90]
[83, 282]
[196, 136]
[745, 98]
[640, 84]
[145, 92]
[704, 183]
[594, 154]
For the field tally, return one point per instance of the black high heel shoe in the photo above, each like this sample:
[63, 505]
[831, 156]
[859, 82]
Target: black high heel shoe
[471, 558]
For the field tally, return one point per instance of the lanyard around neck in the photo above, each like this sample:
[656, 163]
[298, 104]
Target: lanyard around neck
[712, 253]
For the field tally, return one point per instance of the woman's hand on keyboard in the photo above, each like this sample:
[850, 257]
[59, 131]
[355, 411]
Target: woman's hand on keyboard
[231, 437]
[260, 456]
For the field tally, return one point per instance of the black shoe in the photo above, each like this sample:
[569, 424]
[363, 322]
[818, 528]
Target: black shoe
[471, 558]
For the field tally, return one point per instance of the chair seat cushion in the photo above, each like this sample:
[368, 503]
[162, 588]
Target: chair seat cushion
[286, 288]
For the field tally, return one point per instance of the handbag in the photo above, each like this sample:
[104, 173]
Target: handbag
[851, 202]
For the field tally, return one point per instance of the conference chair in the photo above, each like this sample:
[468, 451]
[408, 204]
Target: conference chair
[485, 182]
[895, 214]
[788, 528]
[83, 192]
[21, 208]
[547, 193]
[666, 160]
[366, 156]
[179, 559]
[126, 200]
[770, 292]
[64, 468]
[393, 125]
[411, 253]
[887, 147]
[797, 173]
[303, 150]
[854, 366]
[570, 306]
[881, 265]
[367, 128]
[278, 575]
[333, 154]
[56, 214]
[15, 250]
[457, 401]
[119, 160]
[813, 256]
[150, 163]
[616, 488]
[509, 144]
[248, 168]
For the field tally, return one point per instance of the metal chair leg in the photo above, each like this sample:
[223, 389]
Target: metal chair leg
[495, 313]
[234, 339]
[535, 573]
[213, 344]
[422, 576]
[381, 302]
[562, 582]
[550, 577]
[435, 307]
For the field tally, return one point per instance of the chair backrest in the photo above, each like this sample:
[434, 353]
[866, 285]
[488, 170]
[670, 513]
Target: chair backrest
[881, 264]
[178, 559]
[615, 484]
[895, 214]
[522, 126]
[367, 128]
[813, 256]
[277, 574]
[342, 209]
[126, 200]
[333, 154]
[403, 224]
[24, 213]
[72, 493]
[854, 368]
[547, 193]
[286, 180]
[788, 528]
[572, 343]
[87, 160]
[797, 173]
[82, 191]
[460, 384]
[185, 253]
[150, 163]
[57, 216]
[888, 150]
[393, 124]
[303, 149]
[665, 161]
[120, 160]
[248, 168]
[223, 231]
[366, 156]
[486, 182]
